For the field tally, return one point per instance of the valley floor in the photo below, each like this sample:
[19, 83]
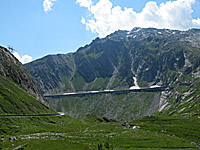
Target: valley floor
[92, 132]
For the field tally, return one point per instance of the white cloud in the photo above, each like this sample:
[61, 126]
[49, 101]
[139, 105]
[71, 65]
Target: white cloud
[23, 59]
[107, 19]
[84, 3]
[47, 5]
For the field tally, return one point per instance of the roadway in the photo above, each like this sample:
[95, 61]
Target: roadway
[31, 115]
[84, 93]
[34, 115]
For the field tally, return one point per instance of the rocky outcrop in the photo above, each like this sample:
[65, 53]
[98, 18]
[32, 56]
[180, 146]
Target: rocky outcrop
[10, 67]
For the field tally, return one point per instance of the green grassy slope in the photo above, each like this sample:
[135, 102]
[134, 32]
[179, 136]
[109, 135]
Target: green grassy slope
[90, 133]
[184, 128]
[15, 100]
[122, 107]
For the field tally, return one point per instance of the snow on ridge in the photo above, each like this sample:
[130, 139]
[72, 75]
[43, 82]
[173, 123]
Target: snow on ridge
[137, 30]
[129, 32]
[136, 86]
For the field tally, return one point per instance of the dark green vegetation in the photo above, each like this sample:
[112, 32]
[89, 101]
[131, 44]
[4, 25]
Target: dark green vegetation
[92, 132]
[15, 100]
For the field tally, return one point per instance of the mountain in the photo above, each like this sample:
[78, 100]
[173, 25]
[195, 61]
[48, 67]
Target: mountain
[19, 93]
[175, 124]
[147, 54]
[144, 56]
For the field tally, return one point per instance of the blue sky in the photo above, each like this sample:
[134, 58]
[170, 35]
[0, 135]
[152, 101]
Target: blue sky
[35, 29]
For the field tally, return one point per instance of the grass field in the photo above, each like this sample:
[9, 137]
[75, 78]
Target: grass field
[92, 132]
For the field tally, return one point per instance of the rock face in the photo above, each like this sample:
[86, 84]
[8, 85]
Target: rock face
[12, 68]
[155, 57]
[50, 71]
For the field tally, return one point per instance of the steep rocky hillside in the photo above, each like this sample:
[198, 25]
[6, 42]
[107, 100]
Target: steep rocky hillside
[12, 68]
[152, 57]
[51, 71]
[19, 93]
